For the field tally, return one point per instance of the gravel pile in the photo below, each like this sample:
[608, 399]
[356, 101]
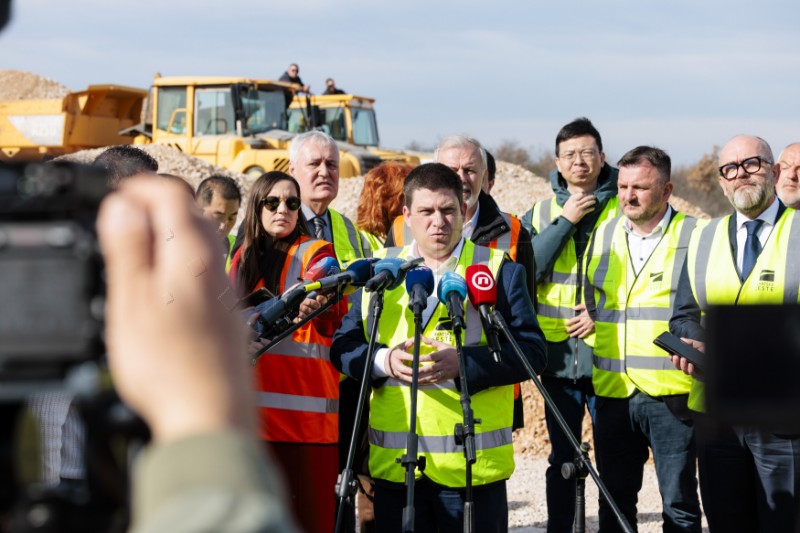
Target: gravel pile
[18, 85]
[170, 161]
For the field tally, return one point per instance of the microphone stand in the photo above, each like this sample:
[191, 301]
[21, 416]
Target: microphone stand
[582, 462]
[465, 433]
[295, 326]
[410, 460]
[347, 483]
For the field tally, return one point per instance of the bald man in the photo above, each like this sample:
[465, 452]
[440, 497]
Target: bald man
[789, 176]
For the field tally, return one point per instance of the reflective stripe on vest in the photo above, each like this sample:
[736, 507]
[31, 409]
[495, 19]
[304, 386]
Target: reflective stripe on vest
[444, 444]
[775, 278]
[297, 387]
[293, 402]
[438, 407]
[557, 294]
[347, 242]
[633, 309]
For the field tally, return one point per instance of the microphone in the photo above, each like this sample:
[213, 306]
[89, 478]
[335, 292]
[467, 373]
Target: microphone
[419, 285]
[452, 291]
[355, 275]
[482, 291]
[390, 273]
[277, 314]
[327, 266]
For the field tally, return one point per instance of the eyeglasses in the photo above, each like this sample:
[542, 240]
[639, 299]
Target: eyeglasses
[751, 165]
[583, 154]
[272, 203]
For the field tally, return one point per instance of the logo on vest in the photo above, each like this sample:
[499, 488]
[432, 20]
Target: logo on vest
[656, 277]
[766, 281]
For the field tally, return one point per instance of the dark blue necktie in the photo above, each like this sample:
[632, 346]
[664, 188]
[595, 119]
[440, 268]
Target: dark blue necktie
[752, 247]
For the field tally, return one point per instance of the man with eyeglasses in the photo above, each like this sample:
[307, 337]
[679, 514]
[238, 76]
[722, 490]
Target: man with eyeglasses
[749, 477]
[585, 188]
[789, 176]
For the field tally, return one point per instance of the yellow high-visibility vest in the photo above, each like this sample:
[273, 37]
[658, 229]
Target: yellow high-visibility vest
[556, 295]
[632, 310]
[714, 278]
[438, 405]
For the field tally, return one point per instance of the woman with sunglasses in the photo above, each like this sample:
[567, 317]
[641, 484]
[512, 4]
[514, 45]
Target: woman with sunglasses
[297, 387]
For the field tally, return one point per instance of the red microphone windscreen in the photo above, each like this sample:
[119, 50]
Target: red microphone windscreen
[481, 286]
[324, 267]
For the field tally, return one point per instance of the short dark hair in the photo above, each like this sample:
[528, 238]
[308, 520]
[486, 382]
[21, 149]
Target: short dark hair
[217, 184]
[578, 128]
[123, 161]
[434, 177]
[656, 157]
[491, 166]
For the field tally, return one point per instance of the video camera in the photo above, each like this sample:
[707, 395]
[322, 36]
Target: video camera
[52, 290]
[52, 305]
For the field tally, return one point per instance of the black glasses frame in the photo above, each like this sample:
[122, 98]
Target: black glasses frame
[732, 169]
[272, 203]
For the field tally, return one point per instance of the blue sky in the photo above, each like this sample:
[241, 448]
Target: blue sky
[683, 75]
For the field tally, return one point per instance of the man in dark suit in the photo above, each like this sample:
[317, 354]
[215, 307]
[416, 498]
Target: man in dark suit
[749, 477]
[434, 212]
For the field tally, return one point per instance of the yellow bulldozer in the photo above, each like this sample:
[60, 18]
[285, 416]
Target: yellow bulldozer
[348, 118]
[237, 123]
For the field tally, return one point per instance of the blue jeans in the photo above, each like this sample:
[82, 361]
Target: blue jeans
[624, 430]
[570, 398]
[439, 509]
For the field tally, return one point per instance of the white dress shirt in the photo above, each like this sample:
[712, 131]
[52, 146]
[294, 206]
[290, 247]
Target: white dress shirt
[449, 265]
[640, 247]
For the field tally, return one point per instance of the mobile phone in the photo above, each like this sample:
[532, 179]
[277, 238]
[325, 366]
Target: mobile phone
[672, 344]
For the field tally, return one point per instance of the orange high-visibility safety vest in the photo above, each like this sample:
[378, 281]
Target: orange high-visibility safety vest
[297, 387]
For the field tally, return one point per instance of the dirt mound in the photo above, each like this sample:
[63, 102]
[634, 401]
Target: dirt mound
[19, 85]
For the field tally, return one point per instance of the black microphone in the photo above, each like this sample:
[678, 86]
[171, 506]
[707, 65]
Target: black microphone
[356, 274]
[452, 291]
[390, 273]
[482, 291]
[419, 285]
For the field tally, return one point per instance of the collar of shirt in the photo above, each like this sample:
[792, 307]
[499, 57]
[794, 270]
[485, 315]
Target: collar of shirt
[469, 225]
[309, 214]
[448, 265]
[768, 216]
[657, 231]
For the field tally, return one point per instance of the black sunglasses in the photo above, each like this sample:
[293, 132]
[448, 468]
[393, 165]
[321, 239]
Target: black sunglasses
[272, 203]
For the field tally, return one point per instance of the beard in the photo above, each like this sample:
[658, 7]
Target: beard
[750, 199]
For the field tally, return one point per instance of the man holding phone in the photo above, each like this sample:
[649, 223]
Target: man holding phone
[749, 477]
[632, 269]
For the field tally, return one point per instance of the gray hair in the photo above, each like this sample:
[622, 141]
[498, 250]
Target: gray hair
[460, 141]
[314, 136]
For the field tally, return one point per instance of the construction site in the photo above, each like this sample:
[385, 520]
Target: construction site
[196, 127]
